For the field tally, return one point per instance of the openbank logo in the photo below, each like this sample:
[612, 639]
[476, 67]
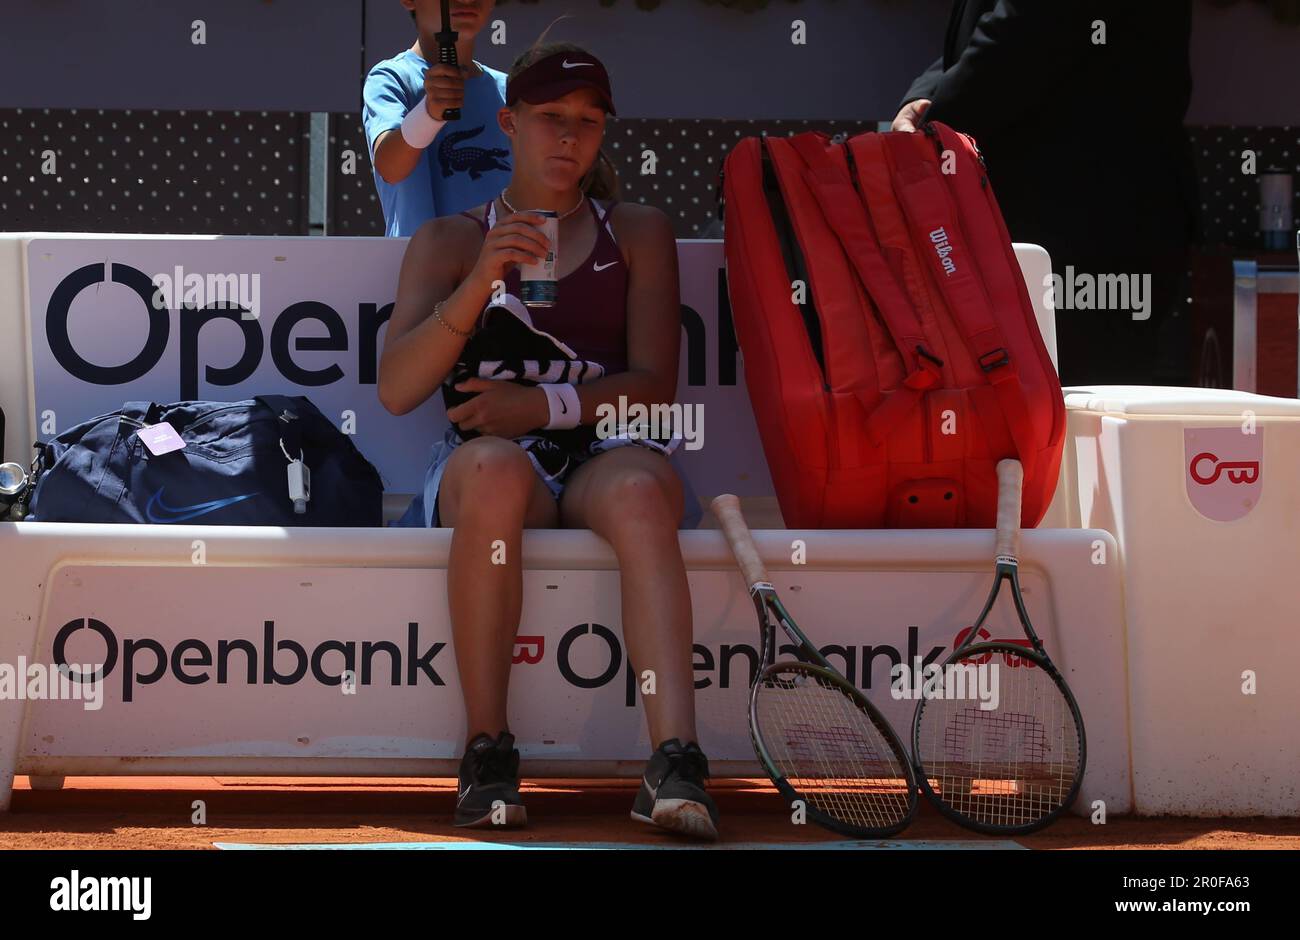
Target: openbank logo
[1223, 471]
[1206, 468]
[192, 661]
[158, 296]
[722, 666]
[587, 656]
[235, 302]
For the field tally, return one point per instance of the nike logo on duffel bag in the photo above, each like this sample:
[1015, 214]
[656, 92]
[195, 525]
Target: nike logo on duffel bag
[181, 513]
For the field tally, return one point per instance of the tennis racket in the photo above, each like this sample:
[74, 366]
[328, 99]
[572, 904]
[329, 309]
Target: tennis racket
[815, 733]
[447, 52]
[1016, 766]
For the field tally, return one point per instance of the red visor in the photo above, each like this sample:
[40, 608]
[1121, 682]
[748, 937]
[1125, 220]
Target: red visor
[557, 75]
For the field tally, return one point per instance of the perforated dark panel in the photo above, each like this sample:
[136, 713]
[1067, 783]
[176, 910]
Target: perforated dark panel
[353, 204]
[687, 153]
[245, 173]
[181, 172]
[1229, 197]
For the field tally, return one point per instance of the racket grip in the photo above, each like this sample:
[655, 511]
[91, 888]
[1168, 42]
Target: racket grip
[727, 508]
[447, 56]
[1011, 480]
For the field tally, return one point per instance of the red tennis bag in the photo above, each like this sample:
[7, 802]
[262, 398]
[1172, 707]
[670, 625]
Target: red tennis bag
[890, 348]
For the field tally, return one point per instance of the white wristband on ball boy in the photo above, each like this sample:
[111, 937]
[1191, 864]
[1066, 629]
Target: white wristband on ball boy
[418, 128]
[566, 410]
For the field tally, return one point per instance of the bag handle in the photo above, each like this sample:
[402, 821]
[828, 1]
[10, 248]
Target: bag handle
[135, 414]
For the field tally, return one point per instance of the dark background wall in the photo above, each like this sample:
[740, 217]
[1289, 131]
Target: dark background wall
[153, 133]
[682, 60]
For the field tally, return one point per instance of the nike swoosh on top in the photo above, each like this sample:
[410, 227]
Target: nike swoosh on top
[181, 513]
[601, 267]
[573, 65]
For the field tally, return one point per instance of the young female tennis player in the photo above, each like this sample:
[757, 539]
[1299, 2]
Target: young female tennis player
[521, 454]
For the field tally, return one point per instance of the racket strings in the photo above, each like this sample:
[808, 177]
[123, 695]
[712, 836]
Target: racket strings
[831, 751]
[1007, 766]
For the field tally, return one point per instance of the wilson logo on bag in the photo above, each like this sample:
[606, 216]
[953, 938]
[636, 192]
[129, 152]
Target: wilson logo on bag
[943, 249]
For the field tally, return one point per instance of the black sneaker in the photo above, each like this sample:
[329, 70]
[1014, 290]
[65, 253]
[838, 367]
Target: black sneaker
[489, 775]
[672, 791]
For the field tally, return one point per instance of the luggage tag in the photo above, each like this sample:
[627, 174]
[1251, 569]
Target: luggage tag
[299, 480]
[161, 438]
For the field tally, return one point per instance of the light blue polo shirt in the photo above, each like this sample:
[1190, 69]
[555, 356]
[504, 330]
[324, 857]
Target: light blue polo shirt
[467, 164]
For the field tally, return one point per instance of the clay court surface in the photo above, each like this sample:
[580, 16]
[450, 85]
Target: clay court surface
[155, 813]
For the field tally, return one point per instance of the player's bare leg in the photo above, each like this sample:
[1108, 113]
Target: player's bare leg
[489, 493]
[632, 498]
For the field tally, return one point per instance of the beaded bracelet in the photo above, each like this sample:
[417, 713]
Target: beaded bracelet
[437, 312]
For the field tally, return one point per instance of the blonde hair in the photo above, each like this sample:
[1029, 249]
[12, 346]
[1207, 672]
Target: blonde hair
[601, 181]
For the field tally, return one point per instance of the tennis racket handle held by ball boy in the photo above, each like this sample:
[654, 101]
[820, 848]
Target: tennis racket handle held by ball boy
[1011, 481]
[447, 52]
[727, 508]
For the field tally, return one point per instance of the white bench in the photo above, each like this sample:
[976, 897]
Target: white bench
[186, 608]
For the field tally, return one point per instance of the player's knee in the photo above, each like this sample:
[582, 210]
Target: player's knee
[489, 471]
[637, 500]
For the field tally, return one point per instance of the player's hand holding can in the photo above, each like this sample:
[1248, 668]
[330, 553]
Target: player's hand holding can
[516, 239]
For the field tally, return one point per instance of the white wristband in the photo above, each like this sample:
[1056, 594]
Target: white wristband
[418, 128]
[566, 410]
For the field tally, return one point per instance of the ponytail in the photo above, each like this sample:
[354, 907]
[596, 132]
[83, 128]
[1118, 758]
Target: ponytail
[601, 181]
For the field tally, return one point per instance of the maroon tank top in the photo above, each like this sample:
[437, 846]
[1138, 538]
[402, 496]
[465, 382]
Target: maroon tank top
[590, 314]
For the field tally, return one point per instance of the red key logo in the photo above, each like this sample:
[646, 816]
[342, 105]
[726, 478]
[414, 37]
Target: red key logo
[523, 644]
[1223, 470]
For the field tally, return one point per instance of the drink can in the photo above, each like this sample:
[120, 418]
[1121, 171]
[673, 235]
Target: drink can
[13, 480]
[1275, 215]
[537, 283]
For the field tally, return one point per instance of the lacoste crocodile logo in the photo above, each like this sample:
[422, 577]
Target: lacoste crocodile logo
[473, 160]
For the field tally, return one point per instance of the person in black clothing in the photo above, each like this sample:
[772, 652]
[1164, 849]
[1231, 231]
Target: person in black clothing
[1078, 107]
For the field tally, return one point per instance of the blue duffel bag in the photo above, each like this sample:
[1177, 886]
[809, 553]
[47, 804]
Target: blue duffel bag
[236, 468]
